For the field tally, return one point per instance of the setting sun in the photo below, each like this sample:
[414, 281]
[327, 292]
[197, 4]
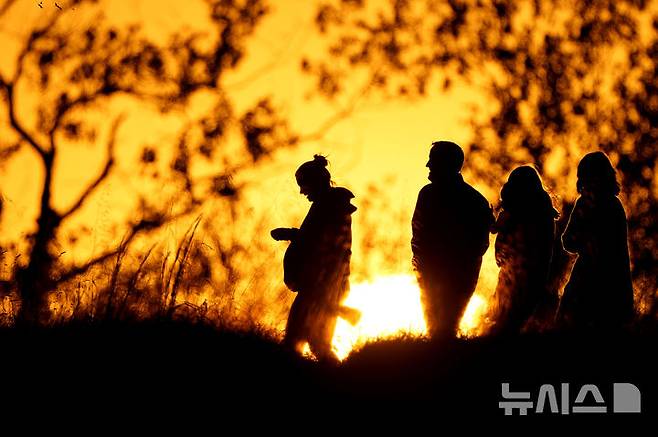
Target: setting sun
[391, 306]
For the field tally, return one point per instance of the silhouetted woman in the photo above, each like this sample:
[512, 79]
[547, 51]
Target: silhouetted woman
[524, 247]
[317, 261]
[599, 292]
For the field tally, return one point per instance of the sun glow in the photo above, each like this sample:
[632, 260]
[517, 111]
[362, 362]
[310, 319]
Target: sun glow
[391, 306]
[473, 321]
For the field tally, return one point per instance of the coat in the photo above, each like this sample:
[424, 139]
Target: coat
[317, 267]
[600, 290]
[523, 248]
[317, 260]
[450, 230]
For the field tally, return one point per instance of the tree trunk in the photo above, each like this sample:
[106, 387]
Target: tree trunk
[35, 280]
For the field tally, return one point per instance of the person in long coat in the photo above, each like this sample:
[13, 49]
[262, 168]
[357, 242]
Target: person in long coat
[525, 230]
[317, 261]
[599, 293]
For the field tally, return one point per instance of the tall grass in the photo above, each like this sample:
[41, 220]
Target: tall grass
[201, 279]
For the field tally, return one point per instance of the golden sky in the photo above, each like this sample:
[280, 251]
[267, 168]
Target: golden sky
[384, 143]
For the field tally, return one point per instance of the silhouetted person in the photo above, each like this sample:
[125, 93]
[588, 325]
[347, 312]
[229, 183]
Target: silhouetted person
[599, 293]
[450, 229]
[525, 231]
[317, 261]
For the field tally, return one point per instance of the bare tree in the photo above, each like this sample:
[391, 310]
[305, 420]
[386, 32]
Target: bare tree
[76, 72]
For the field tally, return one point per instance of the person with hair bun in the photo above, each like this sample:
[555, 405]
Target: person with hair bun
[599, 293]
[317, 262]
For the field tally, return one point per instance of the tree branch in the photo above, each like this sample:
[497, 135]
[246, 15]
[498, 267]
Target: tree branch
[15, 124]
[135, 229]
[338, 116]
[9, 86]
[103, 175]
[34, 36]
[78, 270]
[5, 6]
[64, 107]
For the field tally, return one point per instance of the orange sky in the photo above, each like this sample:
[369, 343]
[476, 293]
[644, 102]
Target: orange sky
[381, 143]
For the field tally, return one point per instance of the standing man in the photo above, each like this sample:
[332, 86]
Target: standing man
[450, 233]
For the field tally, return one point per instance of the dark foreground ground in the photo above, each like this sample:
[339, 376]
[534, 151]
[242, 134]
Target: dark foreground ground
[189, 372]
